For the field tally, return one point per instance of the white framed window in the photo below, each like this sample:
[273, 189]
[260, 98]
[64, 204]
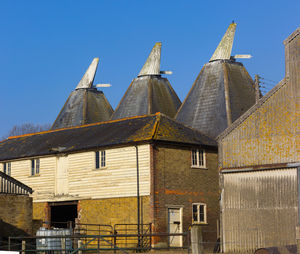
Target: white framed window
[199, 213]
[100, 159]
[35, 167]
[7, 168]
[198, 158]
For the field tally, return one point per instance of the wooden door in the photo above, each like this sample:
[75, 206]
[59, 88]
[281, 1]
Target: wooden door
[61, 176]
[175, 226]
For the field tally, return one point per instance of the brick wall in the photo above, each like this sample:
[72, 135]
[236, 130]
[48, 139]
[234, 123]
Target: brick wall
[15, 215]
[177, 184]
[112, 211]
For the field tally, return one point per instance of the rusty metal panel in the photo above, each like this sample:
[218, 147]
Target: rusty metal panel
[270, 130]
[269, 133]
[259, 209]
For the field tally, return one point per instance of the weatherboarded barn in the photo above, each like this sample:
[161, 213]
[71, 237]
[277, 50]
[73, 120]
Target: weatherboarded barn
[259, 159]
[89, 174]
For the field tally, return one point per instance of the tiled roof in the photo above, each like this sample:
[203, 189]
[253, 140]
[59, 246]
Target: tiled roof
[157, 127]
[222, 92]
[148, 95]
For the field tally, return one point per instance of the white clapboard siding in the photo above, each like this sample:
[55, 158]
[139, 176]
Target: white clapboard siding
[117, 179]
[42, 184]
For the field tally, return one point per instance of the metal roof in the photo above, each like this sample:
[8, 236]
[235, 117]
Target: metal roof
[222, 92]
[149, 128]
[85, 104]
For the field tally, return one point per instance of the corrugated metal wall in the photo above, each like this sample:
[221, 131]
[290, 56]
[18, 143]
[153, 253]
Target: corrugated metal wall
[269, 133]
[259, 209]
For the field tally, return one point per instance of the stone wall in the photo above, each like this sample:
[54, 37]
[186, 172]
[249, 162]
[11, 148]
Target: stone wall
[15, 215]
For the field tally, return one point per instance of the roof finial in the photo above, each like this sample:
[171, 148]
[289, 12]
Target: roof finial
[224, 48]
[152, 65]
[88, 78]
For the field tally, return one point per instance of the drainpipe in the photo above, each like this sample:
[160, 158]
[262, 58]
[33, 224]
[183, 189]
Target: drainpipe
[298, 226]
[138, 194]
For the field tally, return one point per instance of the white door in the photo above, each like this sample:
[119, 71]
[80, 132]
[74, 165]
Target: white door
[175, 226]
[61, 176]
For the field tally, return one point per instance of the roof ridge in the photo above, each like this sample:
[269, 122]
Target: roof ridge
[180, 123]
[80, 126]
[156, 125]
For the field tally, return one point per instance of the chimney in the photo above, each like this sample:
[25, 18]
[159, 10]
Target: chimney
[292, 57]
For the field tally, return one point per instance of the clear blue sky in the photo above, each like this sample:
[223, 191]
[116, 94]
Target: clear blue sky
[46, 46]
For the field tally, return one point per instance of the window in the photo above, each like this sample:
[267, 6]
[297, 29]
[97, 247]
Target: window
[7, 168]
[35, 167]
[199, 213]
[198, 158]
[100, 159]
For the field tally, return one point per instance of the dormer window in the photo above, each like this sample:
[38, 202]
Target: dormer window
[198, 158]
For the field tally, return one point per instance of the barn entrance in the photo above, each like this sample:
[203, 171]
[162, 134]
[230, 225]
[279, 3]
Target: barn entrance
[63, 214]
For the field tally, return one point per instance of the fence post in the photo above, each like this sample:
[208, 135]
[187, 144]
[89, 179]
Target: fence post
[150, 236]
[9, 243]
[63, 245]
[98, 244]
[23, 247]
[79, 247]
[298, 239]
[197, 239]
[115, 241]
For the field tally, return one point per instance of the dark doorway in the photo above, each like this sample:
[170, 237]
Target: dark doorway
[63, 213]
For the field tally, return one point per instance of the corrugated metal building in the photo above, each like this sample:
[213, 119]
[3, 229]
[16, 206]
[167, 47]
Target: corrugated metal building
[259, 158]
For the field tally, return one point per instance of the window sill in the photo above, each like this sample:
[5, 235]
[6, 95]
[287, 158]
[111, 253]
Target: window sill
[199, 223]
[197, 167]
[98, 169]
[36, 175]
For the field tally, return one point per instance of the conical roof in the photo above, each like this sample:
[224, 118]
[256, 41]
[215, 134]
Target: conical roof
[222, 92]
[85, 104]
[149, 92]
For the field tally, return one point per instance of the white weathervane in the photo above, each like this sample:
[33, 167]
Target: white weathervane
[242, 56]
[103, 85]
